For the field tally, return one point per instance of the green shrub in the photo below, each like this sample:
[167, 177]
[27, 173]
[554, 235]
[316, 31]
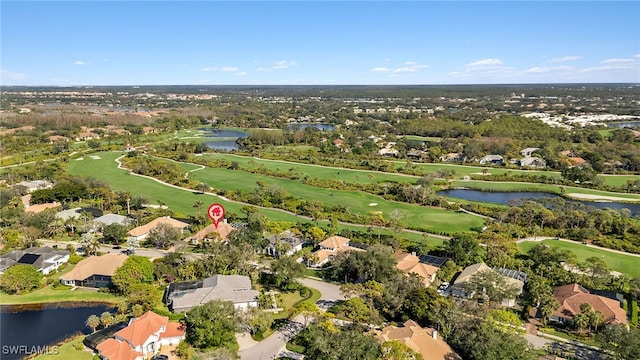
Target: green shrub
[634, 313]
[74, 259]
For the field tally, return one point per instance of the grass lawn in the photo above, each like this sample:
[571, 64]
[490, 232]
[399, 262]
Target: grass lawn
[67, 351]
[626, 264]
[49, 294]
[178, 200]
[317, 171]
[182, 201]
[416, 216]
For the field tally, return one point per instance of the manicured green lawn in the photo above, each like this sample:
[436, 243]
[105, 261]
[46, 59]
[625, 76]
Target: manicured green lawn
[321, 172]
[48, 294]
[178, 200]
[182, 201]
[416, 216]
[67, 351]
[626, 264]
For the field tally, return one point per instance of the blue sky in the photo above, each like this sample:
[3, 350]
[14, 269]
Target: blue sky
[330, 42]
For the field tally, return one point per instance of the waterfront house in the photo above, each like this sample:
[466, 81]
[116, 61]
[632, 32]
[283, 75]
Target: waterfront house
[44, 259]
[94, 271]
[142, 338]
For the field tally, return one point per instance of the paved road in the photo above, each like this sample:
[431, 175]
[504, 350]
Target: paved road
[150, 253]
[275, 345]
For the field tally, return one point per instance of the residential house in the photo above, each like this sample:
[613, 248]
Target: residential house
[452, 157]
[141, 232]
[210, 233]
[424, 341]
[290, 240]
[36, 185]
[330, 247]
[94, 271]
[183, 296]
[142, 338]
[528, 151]
[411, 264]
[532, 162]
[460, 289]
[57, 138]
[388, 152]
[110, 219]
[571, 296]
[416, 154]
[86, 136]
[492, 160]
[577, 161]
[44, 259]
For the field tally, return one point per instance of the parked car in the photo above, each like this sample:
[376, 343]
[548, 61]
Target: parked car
[160, 357]
[117, 247]
[128, 251]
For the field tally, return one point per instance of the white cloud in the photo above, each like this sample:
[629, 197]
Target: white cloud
[284, 64]
[380, 69]
[10, 75]
[229, 69]
[537, 70]
[565, 59]
[241, 73]
[483, 64]
[210, 68]
[279, 65]
[617, 61]
[411, 63]
[80, 63]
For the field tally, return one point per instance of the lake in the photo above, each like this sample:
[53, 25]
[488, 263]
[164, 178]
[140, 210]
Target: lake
[623, 124]
[29, 329]
[323, 127]
[505, 198]
[226, 139]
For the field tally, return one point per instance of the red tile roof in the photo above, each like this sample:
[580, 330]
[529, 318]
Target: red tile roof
[141, 328]
[112, 349]
[572, 296]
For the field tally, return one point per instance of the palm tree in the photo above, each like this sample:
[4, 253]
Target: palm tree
[92, 322]
[55, 228]
[198, 205]
[106, 319]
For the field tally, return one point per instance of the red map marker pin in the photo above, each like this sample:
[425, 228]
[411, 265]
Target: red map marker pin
[216, 213]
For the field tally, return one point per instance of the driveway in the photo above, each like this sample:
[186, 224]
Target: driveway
[275, 345]
[329, 293]
[270, 347]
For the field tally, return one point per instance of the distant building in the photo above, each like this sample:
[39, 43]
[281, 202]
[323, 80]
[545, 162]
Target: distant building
[492, 160]
[141, 232]
[330, 247]
[532, 162]
[210, 233]
[109, 219]
[293, 241]
[528, 151]
[36, 185]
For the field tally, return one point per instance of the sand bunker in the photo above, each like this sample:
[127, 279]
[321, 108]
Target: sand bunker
[373, 204]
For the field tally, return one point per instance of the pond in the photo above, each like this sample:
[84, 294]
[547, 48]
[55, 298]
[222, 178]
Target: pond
[323, 127]
[623, 124]
[505, 198]
[226, 139]
[30, 329]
